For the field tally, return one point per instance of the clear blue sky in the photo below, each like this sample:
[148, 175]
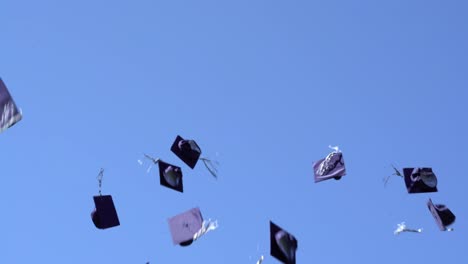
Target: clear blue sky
[267, 85]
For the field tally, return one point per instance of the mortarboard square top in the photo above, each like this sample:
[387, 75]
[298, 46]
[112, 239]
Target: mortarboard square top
[170, 176]
[332, 166]
[420, 180]
[283, 245]
[9, 114]
[184, 226]
[187, 150]
[442, 215]
[104, 215]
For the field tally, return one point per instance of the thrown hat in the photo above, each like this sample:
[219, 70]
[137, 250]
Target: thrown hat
[420, 180]
[332, 166]
[104, 215]
[170, 176]
[187, 150]
[283, 245]
[442, 215]
[184, 226]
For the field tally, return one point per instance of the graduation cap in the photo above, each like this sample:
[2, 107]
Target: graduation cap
[189, 152]
[332, 166]
[170, 176]
[9, 113]
[442, 215]
[190, 226]
[283, 245]
[184, 226]
[420, 180]
[104, 214]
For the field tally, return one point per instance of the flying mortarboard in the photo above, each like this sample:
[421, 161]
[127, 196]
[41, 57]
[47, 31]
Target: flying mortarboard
[104, 214]
[187, 150]
[184, 226]
[332, 166]
[420, 180]
[442, 215]
[9, 113]
[170, 176]
[283, 245]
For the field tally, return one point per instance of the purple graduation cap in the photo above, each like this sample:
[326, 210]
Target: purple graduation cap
[442, 215]
[9, 114]
[104, 215]
[184, 226]
[332, 166]
[283, 245]
[187, 150]
[420, 180]
[170, 176]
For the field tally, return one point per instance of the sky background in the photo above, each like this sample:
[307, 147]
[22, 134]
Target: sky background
[263, 87]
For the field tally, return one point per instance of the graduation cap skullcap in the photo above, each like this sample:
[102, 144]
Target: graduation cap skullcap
[442, 215]
[283, 245]
[420, 180]
[104, 215]
[184, 226]
[332, 166]
[9, 113]
[170, 176]
[187, 150]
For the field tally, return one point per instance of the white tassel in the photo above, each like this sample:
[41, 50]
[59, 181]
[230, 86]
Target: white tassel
[154, 161]
[335, 148]
[402, 228]
[206, 227]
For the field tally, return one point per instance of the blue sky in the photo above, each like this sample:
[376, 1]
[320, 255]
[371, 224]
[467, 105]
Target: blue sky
[263, 86]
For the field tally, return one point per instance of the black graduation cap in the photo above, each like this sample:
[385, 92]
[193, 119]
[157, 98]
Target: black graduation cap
[420, 180]
[187, 150]
[184, 226]
[283, 245]
[104, 215]
[170, 176]
[442, 215]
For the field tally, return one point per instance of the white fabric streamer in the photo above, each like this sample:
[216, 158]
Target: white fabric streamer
[260, 260]
[402, 228]
[335, 148]
[206, 227]
[149, 168]
[154, 161]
